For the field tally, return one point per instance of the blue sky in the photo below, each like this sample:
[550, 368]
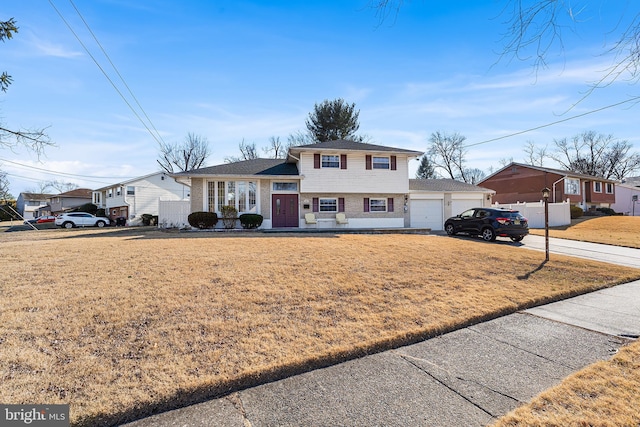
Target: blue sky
[251, 70]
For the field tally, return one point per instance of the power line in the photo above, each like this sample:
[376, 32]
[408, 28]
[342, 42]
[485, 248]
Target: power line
[104, 73]
[635, 98]
[63, 173]
[116, 70]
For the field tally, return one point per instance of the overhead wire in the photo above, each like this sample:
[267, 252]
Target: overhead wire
[158, 140]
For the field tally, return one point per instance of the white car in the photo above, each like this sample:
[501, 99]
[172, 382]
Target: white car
[80, 219]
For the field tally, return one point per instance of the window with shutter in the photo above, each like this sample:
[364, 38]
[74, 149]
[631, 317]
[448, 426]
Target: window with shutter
[366, 204]
[316, 204]
[394, 163]
[341, 204]
[390, 204]
[343, 161]
[368, 161]
[316, 161]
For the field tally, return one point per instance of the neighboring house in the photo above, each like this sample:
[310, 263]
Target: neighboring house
[68, 200]
[518, 182]
[628, 197]
[28, 204]
[368, 183]
[133, 198]
[432, 201]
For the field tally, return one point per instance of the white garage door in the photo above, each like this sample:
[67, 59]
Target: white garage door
[461, 205]
[426, 214]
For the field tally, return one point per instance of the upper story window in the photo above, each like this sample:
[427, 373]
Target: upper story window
[597, 186]
[381, 162]
[110, 192]
[330, 161]
[571, 186]
[609, 188]
[118, 191]
[131, 190]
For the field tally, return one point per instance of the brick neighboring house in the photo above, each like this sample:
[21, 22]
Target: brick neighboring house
[518, 182]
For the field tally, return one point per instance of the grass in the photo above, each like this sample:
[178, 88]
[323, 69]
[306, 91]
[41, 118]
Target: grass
[603, 394]
[124, 323]
[610, 230]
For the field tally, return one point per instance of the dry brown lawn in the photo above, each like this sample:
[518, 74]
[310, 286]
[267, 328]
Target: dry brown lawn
[603, 394]
[123, 323]
[611, 230]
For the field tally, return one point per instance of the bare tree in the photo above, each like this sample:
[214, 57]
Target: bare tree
[247, 152]
[188, 155]
[4, 188]
[299, 138]
[474, 175]
[276, 149]
[447, 152]
[33, 139]
[61, 186]
[596, 154]
[534, 155]
[535, 29]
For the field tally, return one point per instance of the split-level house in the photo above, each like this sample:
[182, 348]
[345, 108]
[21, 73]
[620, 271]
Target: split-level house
[68, 200]
[367, 183]
[135, 197]
[518, 182]
[28, 204]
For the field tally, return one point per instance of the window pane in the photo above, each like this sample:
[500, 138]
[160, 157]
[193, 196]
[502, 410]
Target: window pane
[328, 205]
[211, 194]
[242, 196]
[381, 163]
[378, 205]
[330, 161]
[231, 193]
[252, 197]
[131, 190]
[285, 186]
[220, 196]
[571, 186]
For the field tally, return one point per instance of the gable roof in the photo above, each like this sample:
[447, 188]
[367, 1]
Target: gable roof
[445, 185]
[36, 196]
[81, 193]
[247, 167]
[551, 170]
[347, 145]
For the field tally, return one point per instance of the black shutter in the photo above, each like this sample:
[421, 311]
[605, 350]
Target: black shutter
[366, 204]
[316, 204]
[316, 161]
[390, 204]
[393, 163]
[368, 161]
[343, 161]
[341, 204]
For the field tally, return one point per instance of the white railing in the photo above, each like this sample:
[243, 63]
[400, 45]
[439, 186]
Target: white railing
[173, 213]
[559, 213]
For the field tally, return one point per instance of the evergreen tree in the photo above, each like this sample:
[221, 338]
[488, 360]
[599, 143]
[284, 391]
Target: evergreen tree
[332, 120]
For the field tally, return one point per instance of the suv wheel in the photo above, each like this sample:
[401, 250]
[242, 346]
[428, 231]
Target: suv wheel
[68, 224]
[449, 229]
[100, 224]
[488, 235]
[517, 238]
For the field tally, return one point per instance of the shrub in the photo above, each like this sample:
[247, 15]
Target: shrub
[87, 207]
[101, 212]
[203, 220]
[576, 212]
[250, 221]
[229, 216]
[607, 211]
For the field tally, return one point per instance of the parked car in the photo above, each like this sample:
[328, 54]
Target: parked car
[80, 219]
[47, 218]
[489, 223]
[30, 221]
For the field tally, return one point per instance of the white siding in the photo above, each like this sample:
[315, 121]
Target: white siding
[356, 178]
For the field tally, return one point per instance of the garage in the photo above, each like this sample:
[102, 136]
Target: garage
[460, 205]
[432, 201]
[426, 214]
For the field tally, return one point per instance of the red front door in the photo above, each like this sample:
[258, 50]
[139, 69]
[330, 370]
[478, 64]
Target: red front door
[284, 210]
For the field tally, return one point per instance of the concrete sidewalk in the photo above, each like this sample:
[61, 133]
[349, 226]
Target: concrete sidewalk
[468, 377]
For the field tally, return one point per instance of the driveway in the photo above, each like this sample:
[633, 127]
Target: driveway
[628, 257]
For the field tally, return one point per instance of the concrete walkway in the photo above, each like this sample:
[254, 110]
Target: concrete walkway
[468, 377]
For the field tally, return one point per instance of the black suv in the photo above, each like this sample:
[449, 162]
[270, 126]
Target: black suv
[489, 223]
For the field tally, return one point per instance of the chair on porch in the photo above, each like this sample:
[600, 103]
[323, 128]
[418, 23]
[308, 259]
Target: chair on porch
[341, 219]
[310, 218]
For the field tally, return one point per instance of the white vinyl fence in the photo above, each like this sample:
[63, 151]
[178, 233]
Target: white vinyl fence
[173, 213]
[559, 213]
